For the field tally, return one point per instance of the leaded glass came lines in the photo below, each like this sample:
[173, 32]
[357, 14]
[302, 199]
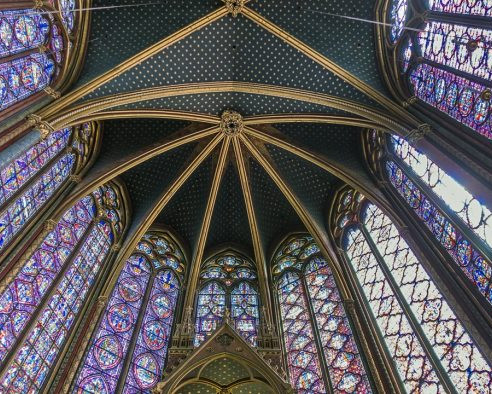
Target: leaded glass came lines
[211, 306]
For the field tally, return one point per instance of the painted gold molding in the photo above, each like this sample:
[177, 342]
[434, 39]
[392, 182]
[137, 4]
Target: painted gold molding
[365, 88]
[207, 219]
[74, 114]
[132, 239]
[133, 61]
[261, 263]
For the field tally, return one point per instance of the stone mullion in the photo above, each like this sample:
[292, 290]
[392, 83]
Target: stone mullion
[366, 333]
[138, 325]
[433, 358]
[317, 337]
[76, 346]
[444, 209]
[34, 317]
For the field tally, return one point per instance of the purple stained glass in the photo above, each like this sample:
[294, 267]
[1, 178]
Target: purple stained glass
[20, 78]
[24, 294]
[210, 310]
[244, 311]
[302, 355]
[16, 173]
[21, 30]
[22, 209]
[39, 351]
[476, 268]
[449, 44]
[465, 7]
[67, 8]
[412, 363]
[398, 18]
[456, 96]
[110, 344]
[347, 373]
[147, 360]
[463, 362]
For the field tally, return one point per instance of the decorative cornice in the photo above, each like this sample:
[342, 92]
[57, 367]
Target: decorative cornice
[44, 127]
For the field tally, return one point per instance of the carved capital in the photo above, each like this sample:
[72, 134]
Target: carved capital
[410, 101]
[234, 7]
[116, 248]
[75, 178]
[52, 92]
[349, 305]
[38, 4]
[231, 123]
[419, 133]
[49, 225]
[101, 302]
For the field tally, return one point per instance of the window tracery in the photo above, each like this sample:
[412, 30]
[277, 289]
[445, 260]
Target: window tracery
[29, 181]
[129, 347]
[40, 305]
[428, 344]
[34, 51]
[447, 64]
[228, 281]
[318, 338]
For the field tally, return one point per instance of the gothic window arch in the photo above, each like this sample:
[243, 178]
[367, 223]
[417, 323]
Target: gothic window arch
[129, 346]
[440, 52]
[40, 51]
[459, 222]
[30, 180]
[228, 283]
[428, 345]
[43, 296]
[318, 339]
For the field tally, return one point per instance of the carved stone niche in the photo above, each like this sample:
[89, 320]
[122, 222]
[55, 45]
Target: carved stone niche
[222, 362]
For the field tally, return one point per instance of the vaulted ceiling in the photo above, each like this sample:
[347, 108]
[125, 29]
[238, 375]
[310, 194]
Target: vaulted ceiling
[301, 61]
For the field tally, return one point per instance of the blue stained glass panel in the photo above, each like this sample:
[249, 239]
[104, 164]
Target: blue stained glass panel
[210, 310]
[244, 311]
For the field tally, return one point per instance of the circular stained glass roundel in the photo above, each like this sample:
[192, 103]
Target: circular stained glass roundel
[130, 290]
[466, 102]
[108, 352]
[440, 90]
[25, 30]
[14, 81]
[481, 111]
[93, 384]
[154, 334]
[6, 33]
[146, 370]
[452, 95]
[161, 305]
[120, 317]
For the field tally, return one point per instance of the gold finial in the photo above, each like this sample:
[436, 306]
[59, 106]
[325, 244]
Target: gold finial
[234, 6]
[231, 122]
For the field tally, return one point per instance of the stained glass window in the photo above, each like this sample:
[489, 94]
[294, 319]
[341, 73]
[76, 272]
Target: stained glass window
[133, 335]
[398, 17]
[228, 282]
[33, 49]
[452, 62]
[310, 305]
[28, 181]
[40, 305]
[406, 305]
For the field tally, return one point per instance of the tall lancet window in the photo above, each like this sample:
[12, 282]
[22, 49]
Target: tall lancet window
[228, 281]
[129, 347]
[458, 221]
[30, 180]
[38, 50]
[40, 304]
[319, 342]
[430, 348]
[448, 60]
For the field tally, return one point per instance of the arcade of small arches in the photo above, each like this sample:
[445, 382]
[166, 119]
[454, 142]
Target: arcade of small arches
[385, 286]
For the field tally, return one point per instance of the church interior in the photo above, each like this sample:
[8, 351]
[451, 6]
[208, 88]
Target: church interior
[246, 196]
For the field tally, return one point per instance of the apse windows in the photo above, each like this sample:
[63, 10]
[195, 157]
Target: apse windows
[42, 301]
[319, 342]
[428, 345]
[33, 50]
[129, 347]
[29, 181]
[228, 285]
[458, 221]
[448, 62]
